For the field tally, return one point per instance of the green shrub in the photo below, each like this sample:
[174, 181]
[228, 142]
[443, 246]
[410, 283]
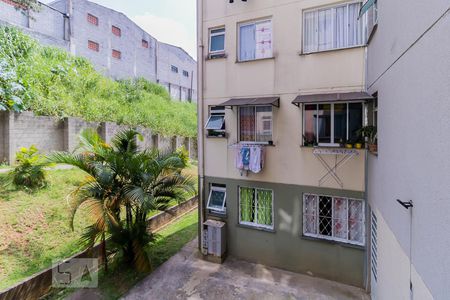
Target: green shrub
[55, 83]
[29, 172]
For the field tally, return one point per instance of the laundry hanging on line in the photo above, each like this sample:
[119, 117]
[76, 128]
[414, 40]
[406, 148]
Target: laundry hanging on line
[250, 158]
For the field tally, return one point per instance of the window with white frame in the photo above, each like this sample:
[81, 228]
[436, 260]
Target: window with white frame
[334, 218]
[217, 199]
[217, 40]
[255, 124]
[256, 207]
[255, 40]
[332, 124]
[334, 27]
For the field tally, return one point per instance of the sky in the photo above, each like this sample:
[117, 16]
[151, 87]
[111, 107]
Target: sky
[169, 21]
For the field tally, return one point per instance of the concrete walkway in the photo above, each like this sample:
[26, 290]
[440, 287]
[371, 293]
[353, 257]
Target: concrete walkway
[187, 276]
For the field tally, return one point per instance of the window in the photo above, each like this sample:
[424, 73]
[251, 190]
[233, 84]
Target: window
[333, 28]
[332, 124]
[256, 207]
[255, 40]
[217, 199]
[333, 218]
[375, 110]
[92, 19]
[144, 43]
[217, 40]
[116, 54]
[255, 124]
[116, 31]
[216, 122]
[185, 73]
[93, 46]
[174, 69]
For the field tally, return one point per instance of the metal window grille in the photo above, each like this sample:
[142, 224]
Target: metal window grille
[174, 69]
[256, 207]
[116, 31]
[116, 54]
[93, 46]
[374, 246]
[92, 19]
[333, 218]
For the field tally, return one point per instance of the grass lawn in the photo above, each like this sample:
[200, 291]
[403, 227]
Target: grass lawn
[119, 279]
[34, 228]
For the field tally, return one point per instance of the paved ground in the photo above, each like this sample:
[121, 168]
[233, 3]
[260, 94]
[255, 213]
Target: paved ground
[186, 276]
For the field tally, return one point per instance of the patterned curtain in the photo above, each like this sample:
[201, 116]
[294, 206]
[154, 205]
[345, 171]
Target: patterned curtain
[247, 123]
[340, 218]
[247, 203]
[264, 207]
[355, 221]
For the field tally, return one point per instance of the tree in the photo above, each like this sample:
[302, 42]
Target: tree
[123, 185]
[32, 5]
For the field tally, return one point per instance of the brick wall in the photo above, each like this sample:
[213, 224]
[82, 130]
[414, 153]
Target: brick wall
[51, 134]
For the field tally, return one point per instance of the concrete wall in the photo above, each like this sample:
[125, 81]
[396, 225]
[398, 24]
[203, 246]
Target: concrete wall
[285, 247]
[409, 67]
[49, 26]
[51, 134]
[179, 86]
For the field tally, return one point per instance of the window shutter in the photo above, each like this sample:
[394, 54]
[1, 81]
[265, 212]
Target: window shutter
[264, 40]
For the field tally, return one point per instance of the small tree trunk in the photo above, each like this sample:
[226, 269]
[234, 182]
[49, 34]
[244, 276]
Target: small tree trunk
[105, 257]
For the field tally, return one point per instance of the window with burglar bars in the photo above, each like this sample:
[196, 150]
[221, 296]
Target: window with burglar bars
[334, 218]
[256, 207]
[92, 19]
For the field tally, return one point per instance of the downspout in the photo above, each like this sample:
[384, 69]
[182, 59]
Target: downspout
[200, 118]
[70, 15]
[366, 185]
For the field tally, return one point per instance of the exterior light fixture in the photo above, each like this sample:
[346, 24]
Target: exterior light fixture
[405, 204]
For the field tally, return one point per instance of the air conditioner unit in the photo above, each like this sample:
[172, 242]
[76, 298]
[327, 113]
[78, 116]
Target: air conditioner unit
[216, 238]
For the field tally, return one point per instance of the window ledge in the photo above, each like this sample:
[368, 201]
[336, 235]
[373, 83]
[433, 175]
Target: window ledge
[332, 242]
[253, 60]
[301, 53]
[214, 56]
[331, 147]
[256, 228]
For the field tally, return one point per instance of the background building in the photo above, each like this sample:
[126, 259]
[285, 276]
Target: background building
[110, 40]
[409, 69]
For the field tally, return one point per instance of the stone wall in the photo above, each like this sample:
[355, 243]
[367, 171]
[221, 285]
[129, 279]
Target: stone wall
[52, 134]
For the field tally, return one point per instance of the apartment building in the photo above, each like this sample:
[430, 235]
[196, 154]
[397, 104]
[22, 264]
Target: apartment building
[408, 68]
[282, 88]
[116, 46]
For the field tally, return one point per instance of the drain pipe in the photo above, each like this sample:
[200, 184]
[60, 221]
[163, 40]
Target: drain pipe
[200, 129]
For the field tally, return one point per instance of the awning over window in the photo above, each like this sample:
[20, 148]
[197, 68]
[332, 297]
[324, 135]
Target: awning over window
[366, 7]
[335, 97]
[275, 101]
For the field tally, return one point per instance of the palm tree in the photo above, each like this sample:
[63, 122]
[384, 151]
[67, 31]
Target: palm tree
[123, 185]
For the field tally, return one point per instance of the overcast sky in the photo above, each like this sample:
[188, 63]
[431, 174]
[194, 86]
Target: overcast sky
[170, 21]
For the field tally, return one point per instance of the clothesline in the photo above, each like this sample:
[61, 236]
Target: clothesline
[240, 145]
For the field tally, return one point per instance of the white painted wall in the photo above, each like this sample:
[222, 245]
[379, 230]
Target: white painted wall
[412, 80]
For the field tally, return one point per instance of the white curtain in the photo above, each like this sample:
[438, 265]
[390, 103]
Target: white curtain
[247, 45]
[310, 32]
[340, 39]
[355, 220]
[355, 25]
[310, 214]
[264, 40]
[325, 29]
[340, 218]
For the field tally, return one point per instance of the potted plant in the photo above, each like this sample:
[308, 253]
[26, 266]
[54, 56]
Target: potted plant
[359, 142]
[309, 141]
[370, 132]
[349, 144]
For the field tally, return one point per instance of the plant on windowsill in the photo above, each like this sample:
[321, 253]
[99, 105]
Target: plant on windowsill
[309, 141]
[370, 133]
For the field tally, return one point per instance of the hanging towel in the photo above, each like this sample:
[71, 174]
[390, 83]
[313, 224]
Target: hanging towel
[238, 159]
[255, 159]
[245, 152]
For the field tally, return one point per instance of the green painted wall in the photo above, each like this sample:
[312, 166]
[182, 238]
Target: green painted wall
[285, 247]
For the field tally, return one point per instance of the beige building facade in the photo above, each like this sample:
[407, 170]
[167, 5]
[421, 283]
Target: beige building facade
[281, 90]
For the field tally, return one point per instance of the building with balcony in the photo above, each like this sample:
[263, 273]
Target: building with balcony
[114, 44]
[282, 99]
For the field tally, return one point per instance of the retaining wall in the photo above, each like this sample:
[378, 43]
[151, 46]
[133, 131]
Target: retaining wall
[39, 284]
[52, 134]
